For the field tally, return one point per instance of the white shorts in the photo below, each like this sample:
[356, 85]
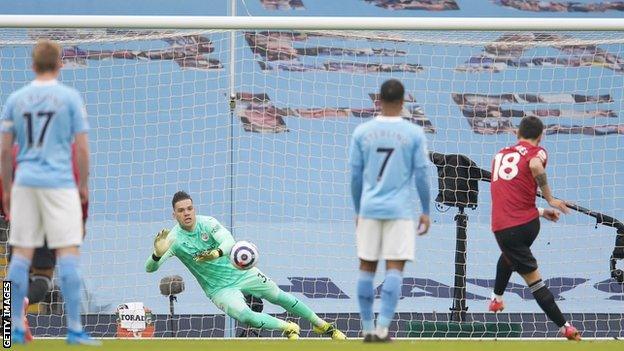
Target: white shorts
[39, 214]
[385, 239]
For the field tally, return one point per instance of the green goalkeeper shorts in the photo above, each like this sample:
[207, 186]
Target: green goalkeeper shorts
[231, 300]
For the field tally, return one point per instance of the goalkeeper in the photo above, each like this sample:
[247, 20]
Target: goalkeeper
[203, 245]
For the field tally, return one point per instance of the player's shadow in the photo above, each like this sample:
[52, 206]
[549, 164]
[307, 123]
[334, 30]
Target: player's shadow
[556, 285]
[611, 286]
[429, 287]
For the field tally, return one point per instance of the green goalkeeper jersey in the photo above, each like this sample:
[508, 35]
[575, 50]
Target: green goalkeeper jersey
[207, 235]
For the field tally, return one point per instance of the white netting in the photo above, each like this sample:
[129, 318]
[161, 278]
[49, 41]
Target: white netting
[275, 169]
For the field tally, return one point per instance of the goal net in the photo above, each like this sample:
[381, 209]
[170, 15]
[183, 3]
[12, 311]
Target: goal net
[271, 165]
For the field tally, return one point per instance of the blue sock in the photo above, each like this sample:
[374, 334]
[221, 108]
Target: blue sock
[70, 288]
[366, 297]
[390, 293]
[18, 275]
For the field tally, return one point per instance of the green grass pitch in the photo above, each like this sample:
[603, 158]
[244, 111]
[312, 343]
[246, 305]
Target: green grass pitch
[352, 345]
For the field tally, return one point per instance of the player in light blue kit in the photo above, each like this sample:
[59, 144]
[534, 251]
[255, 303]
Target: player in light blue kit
[44, 118]
[386, 155]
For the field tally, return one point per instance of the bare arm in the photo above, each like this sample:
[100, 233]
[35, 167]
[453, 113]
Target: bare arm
[539, 173]
[82, 158]
[6, 162]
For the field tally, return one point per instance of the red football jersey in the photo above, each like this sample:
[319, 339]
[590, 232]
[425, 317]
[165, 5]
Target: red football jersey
[513, 186]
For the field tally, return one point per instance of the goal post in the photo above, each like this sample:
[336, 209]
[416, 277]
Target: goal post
[252, 116]
[313, 23]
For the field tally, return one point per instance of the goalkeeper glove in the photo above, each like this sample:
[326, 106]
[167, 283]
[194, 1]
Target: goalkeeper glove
[209, 255]
[161, 243]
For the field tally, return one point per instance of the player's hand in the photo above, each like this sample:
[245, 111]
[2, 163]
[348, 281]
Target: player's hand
[551, 214]
[83, 190]
[162, 242]
[560, 205]
[208, 256]
[423, 224]
[6, 204]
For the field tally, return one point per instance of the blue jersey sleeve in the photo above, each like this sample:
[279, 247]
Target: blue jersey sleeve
[7, 123]
[357, 168]
[421, 153]
[79, 114]
[421, 160]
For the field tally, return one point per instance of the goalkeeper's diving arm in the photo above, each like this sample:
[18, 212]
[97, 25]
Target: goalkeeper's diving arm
[154, 262]
[225, 240]
[162, 251]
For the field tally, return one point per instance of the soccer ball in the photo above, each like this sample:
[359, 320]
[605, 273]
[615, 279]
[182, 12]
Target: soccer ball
[244, 255]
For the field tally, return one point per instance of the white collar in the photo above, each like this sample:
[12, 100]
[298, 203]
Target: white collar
[388, 119]
[44, 83]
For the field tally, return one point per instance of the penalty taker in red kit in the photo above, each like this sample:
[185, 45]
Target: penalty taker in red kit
[203, 245]
[516, 172]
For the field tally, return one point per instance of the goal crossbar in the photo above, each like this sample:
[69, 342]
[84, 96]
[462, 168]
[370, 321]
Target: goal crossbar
[308, 23]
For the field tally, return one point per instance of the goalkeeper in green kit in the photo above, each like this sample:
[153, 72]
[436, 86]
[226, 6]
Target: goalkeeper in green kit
[203, 245]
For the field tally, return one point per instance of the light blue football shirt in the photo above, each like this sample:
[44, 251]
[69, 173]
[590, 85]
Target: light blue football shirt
[44, 116]
[386, 153]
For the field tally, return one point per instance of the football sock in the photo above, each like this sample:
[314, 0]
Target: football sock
[503, 274]
[366, 297]
[298, 308]
[258, 320]
[546, 301]
[390, 293]
[70, 288]
[18, 275]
